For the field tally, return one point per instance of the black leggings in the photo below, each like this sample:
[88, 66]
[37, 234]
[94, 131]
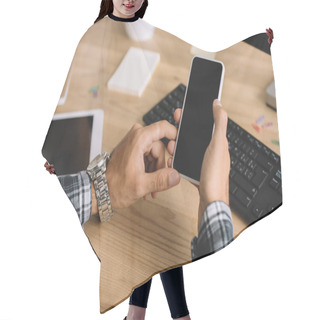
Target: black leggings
[172, 281]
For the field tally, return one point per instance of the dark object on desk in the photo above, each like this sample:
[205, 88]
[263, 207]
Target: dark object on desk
[260, 41]
[255, 174]
[67, 145]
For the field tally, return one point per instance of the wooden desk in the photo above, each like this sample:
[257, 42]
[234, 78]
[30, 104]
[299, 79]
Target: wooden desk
[155, 235]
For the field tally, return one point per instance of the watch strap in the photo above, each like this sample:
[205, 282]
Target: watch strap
[103, 197]
[96, 171]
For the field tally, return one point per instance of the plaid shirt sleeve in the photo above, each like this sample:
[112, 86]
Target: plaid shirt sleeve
[78, 189]
[215, 231]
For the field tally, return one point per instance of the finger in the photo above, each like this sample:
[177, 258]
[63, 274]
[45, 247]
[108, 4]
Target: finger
[154, 195]
[160, 180]
[136, 126]
[170, 147]
[146, 197]
[169, 162]
[158, 130]
[158, 154]
[157, 149]
[177, 115]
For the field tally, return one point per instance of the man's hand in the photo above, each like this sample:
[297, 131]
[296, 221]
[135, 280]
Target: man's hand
[214, 179]
[137, 165]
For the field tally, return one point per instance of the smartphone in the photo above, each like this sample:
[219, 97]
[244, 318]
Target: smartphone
[196, 124]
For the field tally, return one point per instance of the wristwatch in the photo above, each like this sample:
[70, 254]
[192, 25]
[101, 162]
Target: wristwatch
[96, 170]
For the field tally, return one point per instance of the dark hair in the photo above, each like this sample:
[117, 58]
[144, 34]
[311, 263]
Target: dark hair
[106, 7]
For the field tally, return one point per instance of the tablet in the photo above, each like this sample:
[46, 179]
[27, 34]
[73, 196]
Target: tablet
[73, 140]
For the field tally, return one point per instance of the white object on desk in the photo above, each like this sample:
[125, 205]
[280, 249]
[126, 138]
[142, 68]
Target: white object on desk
[134, 71]
[139, 30]
[271, 96]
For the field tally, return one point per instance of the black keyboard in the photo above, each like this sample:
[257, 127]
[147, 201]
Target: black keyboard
[255, 174]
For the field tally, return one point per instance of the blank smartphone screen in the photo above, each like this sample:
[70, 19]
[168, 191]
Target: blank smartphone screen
[195, 130]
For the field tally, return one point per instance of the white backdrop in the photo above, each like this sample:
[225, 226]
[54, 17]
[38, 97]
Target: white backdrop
[48, 270]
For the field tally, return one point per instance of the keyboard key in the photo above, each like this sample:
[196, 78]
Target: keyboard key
[233, 161]
[164, 115]
[266, 150]
[237, 151]
[240, 167]
[270, 208]
[263, 160]
[245, 185]
[232, 187]
[248, 174]
[172, 101]
[258, 144]
[231, 136]
[274, 183]
[257, 211]
[250, 138]
[275, 157]
[253, 153]
[269, 166]
[232, 173]
[251, 164]
[231, 124]
[182, 88]
[242, 197]
[244, 158]
[238, 142]
[239, 130]
[171, 120]
[259, 177]
[245, 147]
[278, 174]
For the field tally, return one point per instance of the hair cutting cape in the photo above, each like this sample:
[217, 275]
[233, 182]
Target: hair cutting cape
[155, 235]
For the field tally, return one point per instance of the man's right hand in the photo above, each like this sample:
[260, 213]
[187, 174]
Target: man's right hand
[214, 179]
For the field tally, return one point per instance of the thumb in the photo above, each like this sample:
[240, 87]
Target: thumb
[161, 180]
[220, 118]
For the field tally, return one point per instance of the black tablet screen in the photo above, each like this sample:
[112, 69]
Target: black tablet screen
[67, 145]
